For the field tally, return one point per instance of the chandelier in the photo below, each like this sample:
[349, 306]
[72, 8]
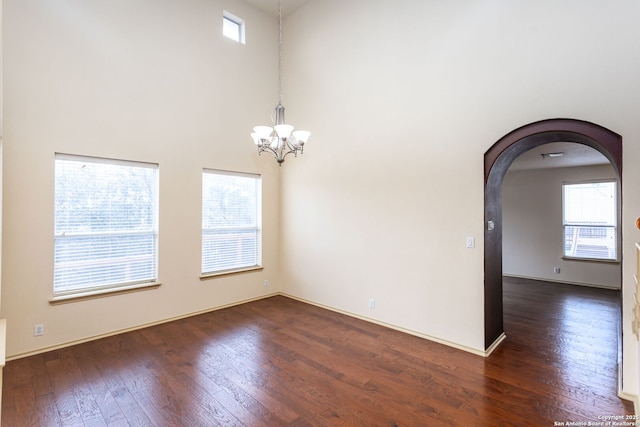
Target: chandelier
[279, 140]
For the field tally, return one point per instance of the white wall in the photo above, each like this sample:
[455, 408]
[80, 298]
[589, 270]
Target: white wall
[150, 80]
[403, 98]
[532, 227]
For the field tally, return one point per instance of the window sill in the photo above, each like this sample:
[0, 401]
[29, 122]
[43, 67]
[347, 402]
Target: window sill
[206, 276]
[99, 293]
[607, 261]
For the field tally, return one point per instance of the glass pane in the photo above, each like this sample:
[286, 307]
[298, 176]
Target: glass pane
[231, 29]
[105, 223]
[229, 249]
[89, 262]
[230, 221]
[103, 197]
[590, 220]
[590, 242]
[591, 203]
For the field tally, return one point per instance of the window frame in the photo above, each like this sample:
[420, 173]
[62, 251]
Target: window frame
[615, 226]
[91, 290]
[231, 19]
[258, 227]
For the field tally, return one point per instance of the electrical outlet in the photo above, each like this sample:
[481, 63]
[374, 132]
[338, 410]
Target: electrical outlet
[266, 283]
[372, 303]
[38, 330]
[556, 270]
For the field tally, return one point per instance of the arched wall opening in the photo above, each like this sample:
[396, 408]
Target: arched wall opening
[496, 163]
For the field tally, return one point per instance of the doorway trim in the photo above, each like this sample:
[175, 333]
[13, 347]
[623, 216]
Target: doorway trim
[496, 163]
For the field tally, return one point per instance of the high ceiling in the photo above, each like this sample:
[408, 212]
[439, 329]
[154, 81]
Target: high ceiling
[271, 6]
[573, 154]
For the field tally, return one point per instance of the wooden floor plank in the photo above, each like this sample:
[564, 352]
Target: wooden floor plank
[280, 362]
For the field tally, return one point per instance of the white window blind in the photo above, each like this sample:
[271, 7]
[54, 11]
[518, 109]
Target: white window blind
[590, 220]
[105, 224]
[231, 221]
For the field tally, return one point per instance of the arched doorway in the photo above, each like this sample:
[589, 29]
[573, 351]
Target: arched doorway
[496, 162]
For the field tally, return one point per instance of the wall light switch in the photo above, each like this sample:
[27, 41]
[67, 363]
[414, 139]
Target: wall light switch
[471, 242]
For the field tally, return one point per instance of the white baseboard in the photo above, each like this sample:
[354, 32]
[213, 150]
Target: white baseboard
[495, 344]
[134, 328]
[632, 398]
[483, 353]
[564, 282]
[476, 351]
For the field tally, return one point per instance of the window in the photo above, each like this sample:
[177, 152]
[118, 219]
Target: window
[590, 220]
[231, 223]
[105, 224]
[233, 27]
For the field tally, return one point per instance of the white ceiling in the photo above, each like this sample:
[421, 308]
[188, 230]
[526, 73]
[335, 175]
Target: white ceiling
[271, 6]
[574, 154]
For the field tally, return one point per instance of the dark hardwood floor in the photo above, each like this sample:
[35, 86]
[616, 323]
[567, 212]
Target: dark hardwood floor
[279, 362]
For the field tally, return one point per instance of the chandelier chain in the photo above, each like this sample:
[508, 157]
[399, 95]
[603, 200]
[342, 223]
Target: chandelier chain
[280, 51]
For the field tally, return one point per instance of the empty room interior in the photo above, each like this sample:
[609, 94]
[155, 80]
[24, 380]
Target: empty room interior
[164, 263]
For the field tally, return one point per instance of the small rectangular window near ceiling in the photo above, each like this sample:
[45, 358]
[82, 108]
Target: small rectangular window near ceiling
[106, 227]
[231, 221]
[590, 220]
[233, 27]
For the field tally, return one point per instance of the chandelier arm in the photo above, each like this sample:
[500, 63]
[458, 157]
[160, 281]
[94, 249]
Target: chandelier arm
[277, 154]
[281, 153]
[291, 147]
[295, 154]
[268, 149]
